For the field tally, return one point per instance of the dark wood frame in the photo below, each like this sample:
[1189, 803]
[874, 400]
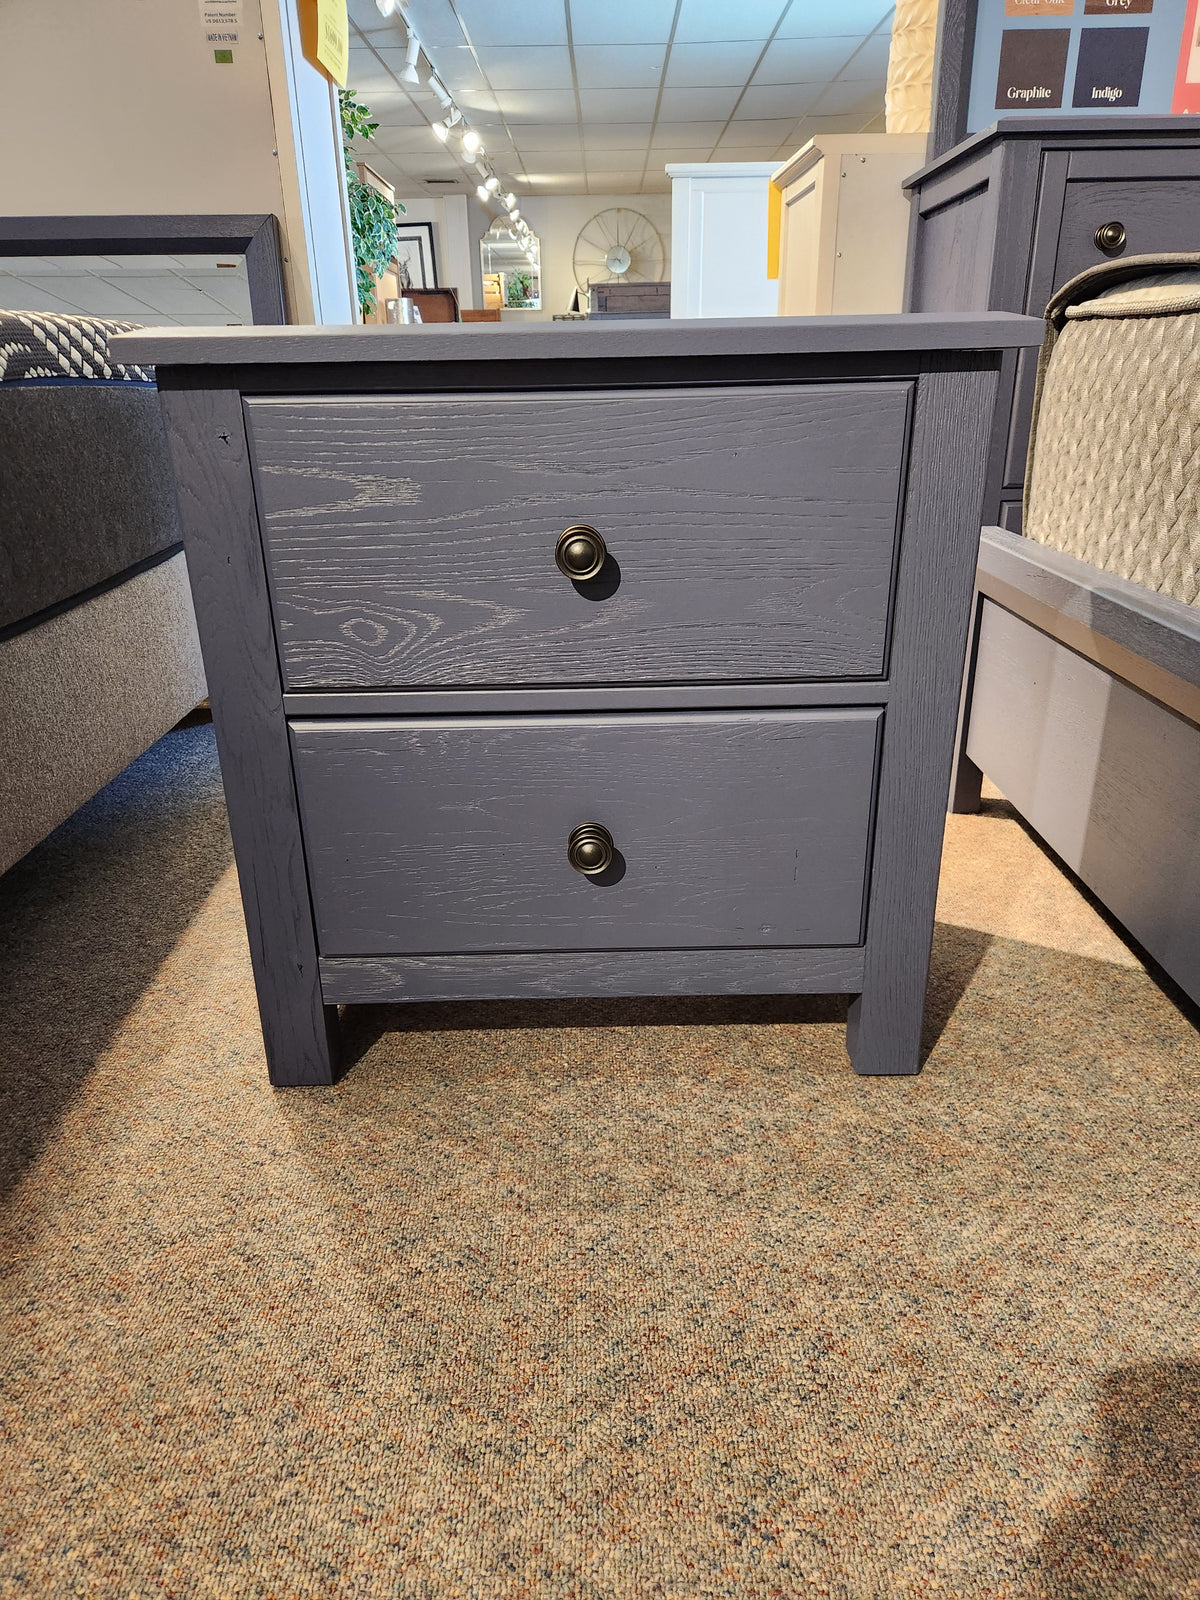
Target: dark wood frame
[256, 237]
[952, 66]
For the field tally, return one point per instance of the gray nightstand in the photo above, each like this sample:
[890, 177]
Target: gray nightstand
[699, 746]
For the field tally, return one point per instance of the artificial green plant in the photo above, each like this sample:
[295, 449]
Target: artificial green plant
[373, 217]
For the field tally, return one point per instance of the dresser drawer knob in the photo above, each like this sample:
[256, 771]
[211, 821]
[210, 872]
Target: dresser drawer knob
[580, 552]
[590, 849]
[1110, 237]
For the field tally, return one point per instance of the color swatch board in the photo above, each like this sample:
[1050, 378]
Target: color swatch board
[1084, 58]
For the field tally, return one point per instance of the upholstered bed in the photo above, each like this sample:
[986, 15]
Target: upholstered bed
[98, 648]
[1082, 695]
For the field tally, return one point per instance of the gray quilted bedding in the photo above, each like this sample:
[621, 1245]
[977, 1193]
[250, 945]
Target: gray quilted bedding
[1114, 462]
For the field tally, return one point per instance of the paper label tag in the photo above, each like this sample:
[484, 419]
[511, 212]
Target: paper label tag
[222, 23]
[333, 39]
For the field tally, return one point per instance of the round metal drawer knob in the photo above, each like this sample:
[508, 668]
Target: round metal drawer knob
[580, 552]
[1110, 237]
[590, 849]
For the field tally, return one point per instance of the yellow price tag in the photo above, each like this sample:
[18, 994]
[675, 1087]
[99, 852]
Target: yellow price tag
[333, 39]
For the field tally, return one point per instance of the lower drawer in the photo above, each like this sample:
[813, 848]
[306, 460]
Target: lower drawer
[730, 829]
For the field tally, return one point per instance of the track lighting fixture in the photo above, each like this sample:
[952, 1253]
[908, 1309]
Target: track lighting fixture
[510, 201]
[482, 193]
[385, 7]
[409, 74]
[434, 84]
[493, 184]
[472, 143]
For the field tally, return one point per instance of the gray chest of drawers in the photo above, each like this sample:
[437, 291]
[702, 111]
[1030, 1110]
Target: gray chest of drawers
[1004, 219]
[702, 749]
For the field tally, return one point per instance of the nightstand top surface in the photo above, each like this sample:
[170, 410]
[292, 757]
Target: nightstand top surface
[648, 337]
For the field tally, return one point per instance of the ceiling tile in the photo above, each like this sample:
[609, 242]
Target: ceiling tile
[546, 66]
[729, 19]
[555, 162]
[839, 124]
[846, 97]
[621, 21]
[617, 105]
[690, 154]
[401, 141]
[779, 100]
[619, 66]
[870, 60]
[806, 60]
[621, 136]
[547, 136]
[458, 69]
[702, 65]
[764, 134]
[679, 133]
[537, 105]
[530, 22]
[696, 105]
[616, 182]
[816, 19]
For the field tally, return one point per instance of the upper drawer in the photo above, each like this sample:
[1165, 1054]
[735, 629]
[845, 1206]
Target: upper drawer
[751, 534]
[1155, 214]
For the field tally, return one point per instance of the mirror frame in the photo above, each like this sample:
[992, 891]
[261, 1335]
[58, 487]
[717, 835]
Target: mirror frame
[256, 237]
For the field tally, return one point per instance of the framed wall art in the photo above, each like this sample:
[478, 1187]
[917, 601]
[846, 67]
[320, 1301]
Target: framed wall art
[415, 255]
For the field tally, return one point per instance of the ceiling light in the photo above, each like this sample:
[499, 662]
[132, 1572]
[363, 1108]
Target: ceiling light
[385, 7]
[515, 215]
[453, 115]
[411, 56]
[441, 131]
[493, 184]
[472, 143]
[510, 200]
[438, 89]
[482, 193]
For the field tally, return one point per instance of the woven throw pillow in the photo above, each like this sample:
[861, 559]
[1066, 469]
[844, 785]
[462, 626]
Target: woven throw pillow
[43, 344]
[1114, 462]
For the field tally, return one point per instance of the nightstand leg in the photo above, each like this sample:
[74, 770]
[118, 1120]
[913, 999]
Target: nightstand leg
[883, 1032]
[229, 585]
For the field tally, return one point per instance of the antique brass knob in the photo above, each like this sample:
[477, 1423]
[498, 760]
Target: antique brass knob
[1110, 237]
[590, 849]
[580, 552]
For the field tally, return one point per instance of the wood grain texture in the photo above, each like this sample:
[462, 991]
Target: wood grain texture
[933, 599]
[1158, 213]
[951, 266]
[1149, 639]
[952, 73]
[691, 338]
[1110, 780]
[411, 542]
[559, 975]
[643, 697]
[225, 563]
[740, 828]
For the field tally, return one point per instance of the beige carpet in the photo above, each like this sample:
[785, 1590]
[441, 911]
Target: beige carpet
[590, 1300]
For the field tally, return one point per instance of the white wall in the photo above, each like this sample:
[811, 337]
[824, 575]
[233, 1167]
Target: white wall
[557, 219]
[116, 107]
[453, 242]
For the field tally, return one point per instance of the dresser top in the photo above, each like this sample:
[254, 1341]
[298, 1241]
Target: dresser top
[440, 342]
[1064, 131]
